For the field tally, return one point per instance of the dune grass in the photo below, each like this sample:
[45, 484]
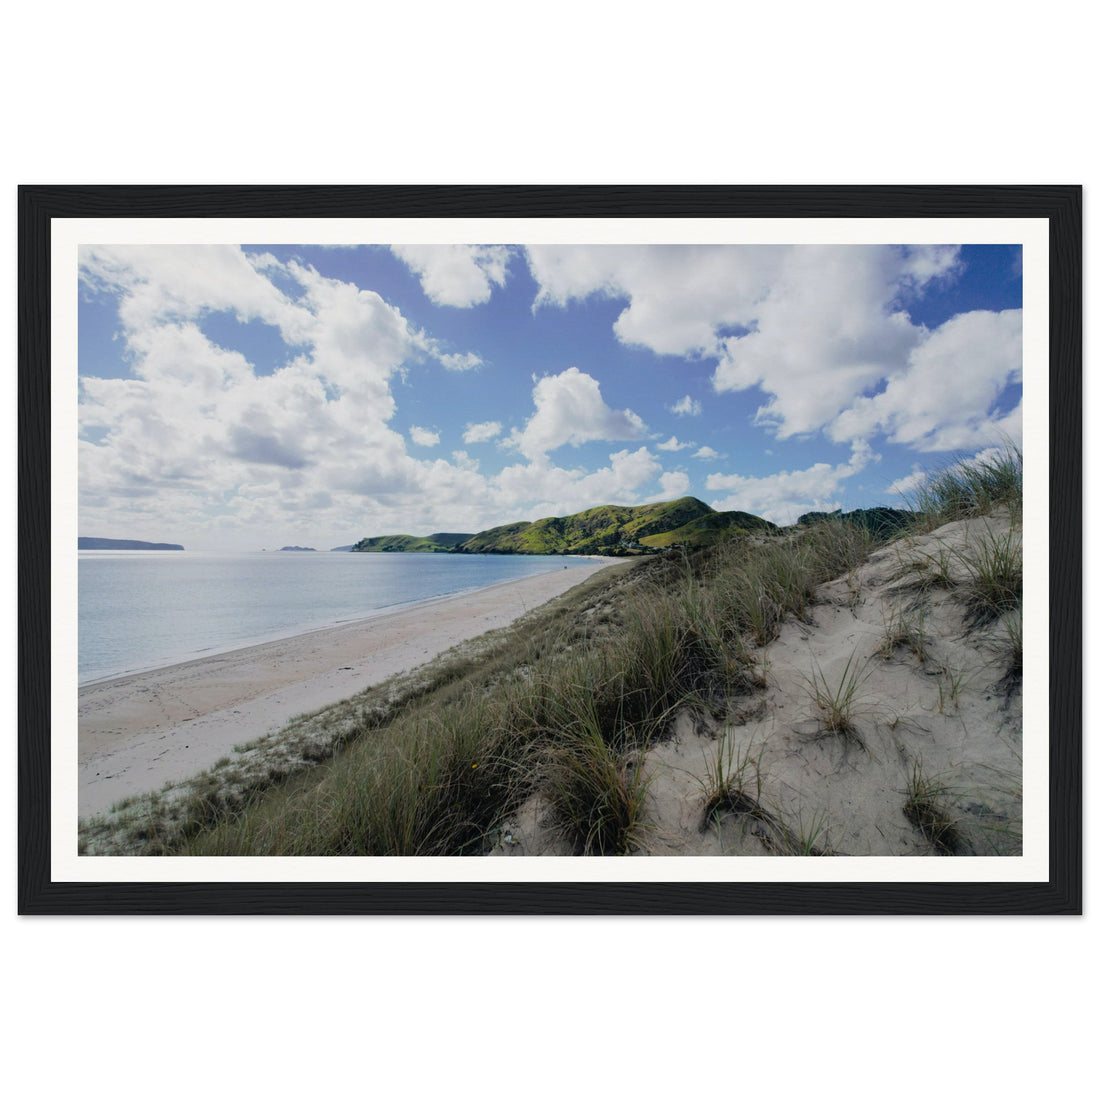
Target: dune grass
[926, 807]
[971, 487]
[905, 629]
[837, 700]
[995, 572]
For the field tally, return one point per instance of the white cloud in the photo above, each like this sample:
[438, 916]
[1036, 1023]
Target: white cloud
[687, 406]
[827, 329]
[903, 486]
[707, 454]
[459, 361]
[200, 446]
[678, 295]
[423, 437]
[570, 409]
[197, 439]
[783, 497]
[673, 444]
[552, 490]
[171, 283]
[460, 275]
[674, 484]
[823, 331]
[943, 398]
[481, 433]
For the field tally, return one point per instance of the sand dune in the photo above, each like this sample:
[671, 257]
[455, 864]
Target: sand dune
[936, 705]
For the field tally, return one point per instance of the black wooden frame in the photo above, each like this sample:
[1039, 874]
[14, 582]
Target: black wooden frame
[1062, 894]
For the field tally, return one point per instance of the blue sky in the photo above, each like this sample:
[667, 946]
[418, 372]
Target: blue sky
[237, 398]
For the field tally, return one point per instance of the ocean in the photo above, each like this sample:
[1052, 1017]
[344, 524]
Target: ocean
[141, 609]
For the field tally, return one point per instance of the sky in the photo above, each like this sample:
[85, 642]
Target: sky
[241, 398]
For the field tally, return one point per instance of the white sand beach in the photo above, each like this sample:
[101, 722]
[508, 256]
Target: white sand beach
[140, 731]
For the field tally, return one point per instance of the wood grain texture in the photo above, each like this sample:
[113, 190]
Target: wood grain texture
[38, 894]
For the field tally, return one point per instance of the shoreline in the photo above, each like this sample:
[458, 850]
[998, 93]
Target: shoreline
[137, 731]
[282, 635]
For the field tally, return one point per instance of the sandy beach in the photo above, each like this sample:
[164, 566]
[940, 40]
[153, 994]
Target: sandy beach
[138, 732]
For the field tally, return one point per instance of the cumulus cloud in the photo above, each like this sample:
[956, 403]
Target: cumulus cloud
[569, 408]
[168, 284]
[459, 361]
[822, 331]
[707, 454]
[678, 296]
[481, 433]
[945, 396]
[687, 406]
[423, 437]
[554, 490]
[673, 444]
[827, 331]
[460, 275]
[783, 497]
[199, 436]
[198, 444]
[674, 484]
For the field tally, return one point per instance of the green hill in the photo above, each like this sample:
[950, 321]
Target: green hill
[609, 529]
[440, 543]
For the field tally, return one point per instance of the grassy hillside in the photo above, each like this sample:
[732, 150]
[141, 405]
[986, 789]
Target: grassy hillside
[610, 529]
[706, 530]
[440, 543]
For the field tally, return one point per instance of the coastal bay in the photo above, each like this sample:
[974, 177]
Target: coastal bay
[137, 732]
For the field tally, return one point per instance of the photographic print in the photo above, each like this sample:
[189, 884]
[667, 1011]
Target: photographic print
[551, 550]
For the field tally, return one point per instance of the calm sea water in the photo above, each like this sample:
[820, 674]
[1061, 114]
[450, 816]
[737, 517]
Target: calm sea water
[143, 609]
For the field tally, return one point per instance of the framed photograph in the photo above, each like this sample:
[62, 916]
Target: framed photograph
[550, 550]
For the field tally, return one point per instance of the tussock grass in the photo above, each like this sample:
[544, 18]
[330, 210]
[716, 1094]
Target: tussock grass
[1014, 653]
[971, 487]
[729, 775]
[905, 630]
[926, 809]
[995, 572]
[733, 786]
[949, 682]
[838, 703]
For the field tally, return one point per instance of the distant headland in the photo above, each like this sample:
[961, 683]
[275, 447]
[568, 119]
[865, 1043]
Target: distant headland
[611, 530]
[83, 543]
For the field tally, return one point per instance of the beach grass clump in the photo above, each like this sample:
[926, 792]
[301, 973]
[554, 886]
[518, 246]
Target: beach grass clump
[949, 682]
[926, 808]
[732, 782]
[1014, 653]
[838, 700]
[733, 786]
[905, 629]
[995, 576]
[595, 789]
[972, 487]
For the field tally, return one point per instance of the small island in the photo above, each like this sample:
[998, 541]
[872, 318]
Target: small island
[83, 543]
[299, 549]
